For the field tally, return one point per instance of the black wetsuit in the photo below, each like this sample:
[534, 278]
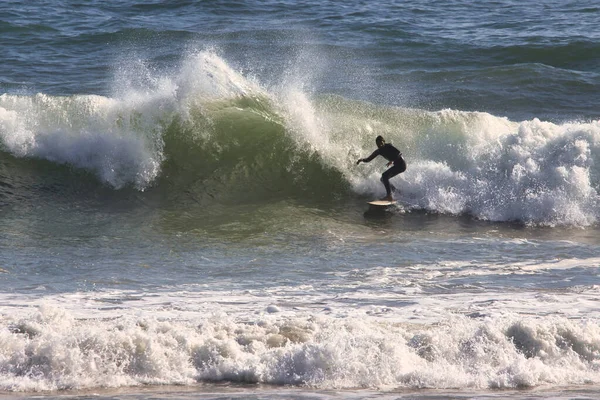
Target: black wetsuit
[390, 153]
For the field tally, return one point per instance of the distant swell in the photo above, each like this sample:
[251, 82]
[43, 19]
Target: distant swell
[583, 54]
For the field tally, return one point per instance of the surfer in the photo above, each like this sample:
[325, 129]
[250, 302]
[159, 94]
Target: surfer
[394, 156]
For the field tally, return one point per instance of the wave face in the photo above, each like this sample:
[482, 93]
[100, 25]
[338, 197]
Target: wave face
[209, 131]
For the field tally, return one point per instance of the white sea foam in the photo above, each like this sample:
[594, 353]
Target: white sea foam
[48, 347]
[533, 171]
[433, 325]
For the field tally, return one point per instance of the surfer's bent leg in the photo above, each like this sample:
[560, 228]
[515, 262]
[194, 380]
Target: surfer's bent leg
[385, 179]
[398, 167]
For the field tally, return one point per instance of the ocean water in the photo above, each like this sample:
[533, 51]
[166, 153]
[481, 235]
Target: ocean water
[182, 215]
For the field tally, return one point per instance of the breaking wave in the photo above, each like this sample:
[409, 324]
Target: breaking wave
[208, 130]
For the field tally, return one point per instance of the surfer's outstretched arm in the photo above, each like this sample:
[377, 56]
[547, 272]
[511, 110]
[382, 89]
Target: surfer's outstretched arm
[368, 159]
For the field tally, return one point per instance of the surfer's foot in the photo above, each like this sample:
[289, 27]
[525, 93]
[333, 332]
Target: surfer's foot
[388, 198]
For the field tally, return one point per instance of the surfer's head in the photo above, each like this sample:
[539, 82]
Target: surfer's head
[379, 141]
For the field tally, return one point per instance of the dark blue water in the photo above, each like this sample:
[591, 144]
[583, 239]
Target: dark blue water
[508, 58]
